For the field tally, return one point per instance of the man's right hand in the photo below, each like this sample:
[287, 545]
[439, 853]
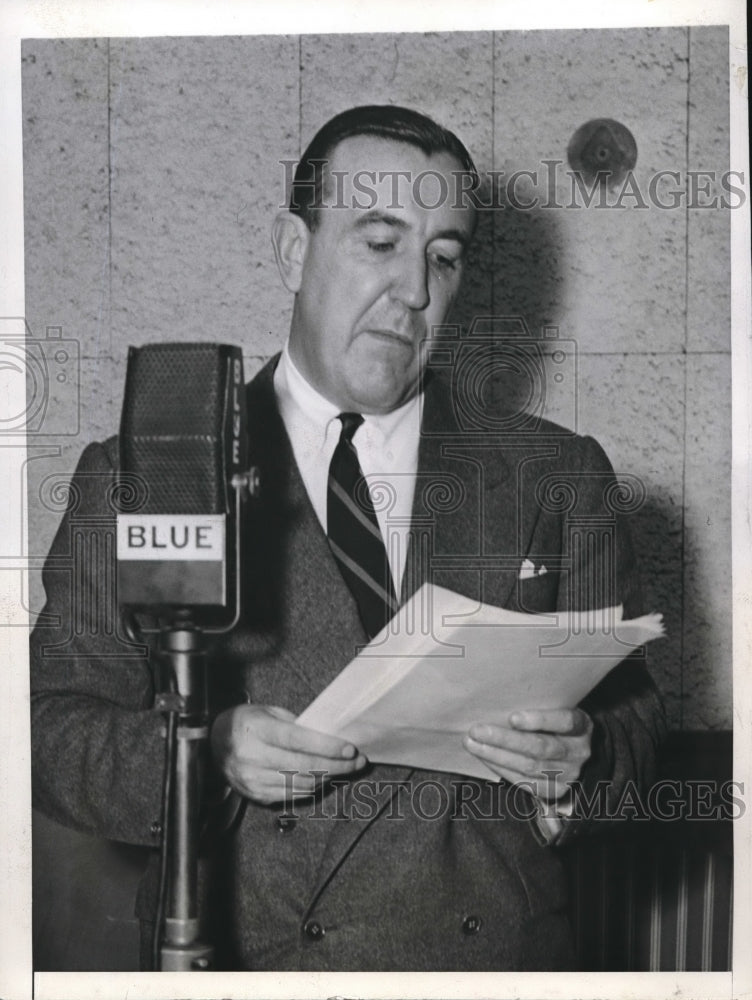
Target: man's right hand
[253, 744]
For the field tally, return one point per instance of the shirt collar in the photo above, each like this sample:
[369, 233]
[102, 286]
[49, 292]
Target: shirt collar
[298, 398]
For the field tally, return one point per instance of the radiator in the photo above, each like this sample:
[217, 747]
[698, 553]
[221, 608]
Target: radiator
[656, 896]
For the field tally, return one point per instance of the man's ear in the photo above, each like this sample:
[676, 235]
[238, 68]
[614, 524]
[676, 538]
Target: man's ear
[290, 237]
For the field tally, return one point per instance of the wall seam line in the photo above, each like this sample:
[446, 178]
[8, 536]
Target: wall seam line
[300, 96]
[109, 195]
[493, 165]
[683, 552]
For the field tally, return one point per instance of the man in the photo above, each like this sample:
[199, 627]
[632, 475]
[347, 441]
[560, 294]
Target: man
[373, 249]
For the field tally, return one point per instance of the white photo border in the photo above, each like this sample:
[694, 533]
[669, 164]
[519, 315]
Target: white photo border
[21, 19]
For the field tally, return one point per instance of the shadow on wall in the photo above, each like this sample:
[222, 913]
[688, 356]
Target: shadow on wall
[513, 267]
[513, 272]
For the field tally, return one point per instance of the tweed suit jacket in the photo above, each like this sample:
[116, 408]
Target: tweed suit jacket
[399, 869]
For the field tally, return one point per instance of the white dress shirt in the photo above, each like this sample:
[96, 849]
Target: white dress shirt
[387, 447]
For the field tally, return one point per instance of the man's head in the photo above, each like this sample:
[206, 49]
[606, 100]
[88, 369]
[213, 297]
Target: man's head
[373, 249]
[310, 191]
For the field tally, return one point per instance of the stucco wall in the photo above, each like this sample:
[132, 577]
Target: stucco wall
[152, 173]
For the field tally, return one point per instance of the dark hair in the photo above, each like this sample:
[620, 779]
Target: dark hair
[384, 121]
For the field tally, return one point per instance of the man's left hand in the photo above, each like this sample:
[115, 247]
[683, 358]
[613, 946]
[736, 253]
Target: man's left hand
[556, 741]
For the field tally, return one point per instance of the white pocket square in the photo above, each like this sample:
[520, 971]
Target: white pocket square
[528, 570]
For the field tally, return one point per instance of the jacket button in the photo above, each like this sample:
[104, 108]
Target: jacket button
[471, 925]
[313, 930]
[286, 824]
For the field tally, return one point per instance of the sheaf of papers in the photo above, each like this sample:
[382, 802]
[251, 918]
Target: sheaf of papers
[446, 661]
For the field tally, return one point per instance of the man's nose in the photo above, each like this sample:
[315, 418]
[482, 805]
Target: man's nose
[410, 285]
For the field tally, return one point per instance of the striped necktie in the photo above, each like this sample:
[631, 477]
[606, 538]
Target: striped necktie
[354, 534]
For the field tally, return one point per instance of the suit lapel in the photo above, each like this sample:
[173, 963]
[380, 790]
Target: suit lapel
[451, 543]
[297, 582]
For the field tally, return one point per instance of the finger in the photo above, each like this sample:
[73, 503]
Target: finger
[547, 781]
[275, 760]
[271, 787]
[296, 783]
[526, 782]
[280, 713]
[539, 746]
[565, 721]
[539, 786]
[286, 734]
[272, 784]
[503, 757]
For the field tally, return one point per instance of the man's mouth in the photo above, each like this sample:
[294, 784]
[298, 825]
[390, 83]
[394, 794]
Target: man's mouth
[404, 339]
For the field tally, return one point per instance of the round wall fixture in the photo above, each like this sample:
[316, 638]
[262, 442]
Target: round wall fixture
[604, 150]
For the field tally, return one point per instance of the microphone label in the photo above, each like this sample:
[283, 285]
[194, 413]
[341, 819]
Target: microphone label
[171, 537]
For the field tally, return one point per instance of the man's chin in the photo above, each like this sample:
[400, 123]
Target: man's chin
[383, 397]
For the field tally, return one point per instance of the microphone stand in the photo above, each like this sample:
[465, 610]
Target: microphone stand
[183, 652]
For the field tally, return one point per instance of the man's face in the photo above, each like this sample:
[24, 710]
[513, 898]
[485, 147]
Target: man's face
[376, 279]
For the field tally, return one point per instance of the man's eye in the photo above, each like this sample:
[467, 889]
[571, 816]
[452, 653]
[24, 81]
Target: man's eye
[381, 246]
[445, 263]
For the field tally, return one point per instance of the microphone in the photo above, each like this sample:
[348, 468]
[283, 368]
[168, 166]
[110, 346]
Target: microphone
[183, 440]
[183, 473]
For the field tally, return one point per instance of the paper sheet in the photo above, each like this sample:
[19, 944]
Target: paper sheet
[446, 662]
